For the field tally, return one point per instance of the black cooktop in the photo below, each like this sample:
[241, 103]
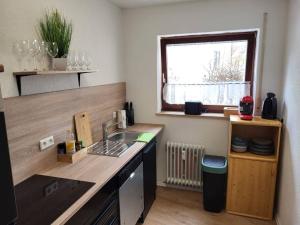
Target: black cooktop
[42, 199]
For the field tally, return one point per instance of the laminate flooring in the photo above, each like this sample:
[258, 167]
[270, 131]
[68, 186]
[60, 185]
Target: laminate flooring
[179, 207]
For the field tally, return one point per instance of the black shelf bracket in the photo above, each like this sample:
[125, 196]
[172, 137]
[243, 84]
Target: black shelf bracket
[19, 85]
[79, 77]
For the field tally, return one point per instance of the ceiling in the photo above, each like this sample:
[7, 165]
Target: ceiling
[142, 3]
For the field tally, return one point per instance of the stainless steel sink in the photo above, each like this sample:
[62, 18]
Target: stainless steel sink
[125, 136]
[116, 145]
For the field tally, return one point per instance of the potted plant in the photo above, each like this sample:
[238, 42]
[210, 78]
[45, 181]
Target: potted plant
[57, 32]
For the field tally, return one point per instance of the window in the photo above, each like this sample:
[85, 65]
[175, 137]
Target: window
[216, 69]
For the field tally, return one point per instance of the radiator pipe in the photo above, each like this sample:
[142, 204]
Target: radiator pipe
[258, 102]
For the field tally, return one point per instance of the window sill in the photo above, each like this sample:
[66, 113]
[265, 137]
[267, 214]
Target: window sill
[202, 116]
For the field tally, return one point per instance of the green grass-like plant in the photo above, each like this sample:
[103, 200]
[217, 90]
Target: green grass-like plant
[55, 28]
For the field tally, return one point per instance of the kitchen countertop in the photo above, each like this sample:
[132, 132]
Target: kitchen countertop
[97, 169]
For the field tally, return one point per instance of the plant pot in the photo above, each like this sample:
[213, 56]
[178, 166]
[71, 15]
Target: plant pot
[59, 64]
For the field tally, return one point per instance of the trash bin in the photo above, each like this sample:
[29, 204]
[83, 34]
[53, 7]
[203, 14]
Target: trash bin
[214, 182]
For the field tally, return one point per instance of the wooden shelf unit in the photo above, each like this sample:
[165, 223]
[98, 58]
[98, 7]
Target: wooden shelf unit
[21, 74]
[251, 177]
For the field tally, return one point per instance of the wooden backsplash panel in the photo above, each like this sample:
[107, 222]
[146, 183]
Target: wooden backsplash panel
[32, 118]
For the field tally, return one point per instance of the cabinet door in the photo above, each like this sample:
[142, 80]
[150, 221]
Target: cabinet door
[251, 187]
[7, 195]
[149, 159]
[102, 208]
[131, 197]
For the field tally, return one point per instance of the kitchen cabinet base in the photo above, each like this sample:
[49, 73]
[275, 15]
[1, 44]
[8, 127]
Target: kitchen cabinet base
[249, 215]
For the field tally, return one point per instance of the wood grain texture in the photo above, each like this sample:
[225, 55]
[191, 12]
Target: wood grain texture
[31, 118]
[251, 180]
[72, 158]
[228, 111]
[83, 128]
[257, 121]
[251, 187]
[97, 169]
[178, 207]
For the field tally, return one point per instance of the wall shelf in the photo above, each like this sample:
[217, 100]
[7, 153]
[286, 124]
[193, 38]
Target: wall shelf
[21, 74]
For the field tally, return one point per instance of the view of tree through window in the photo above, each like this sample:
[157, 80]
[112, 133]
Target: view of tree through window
[216, 73]
[197, 63]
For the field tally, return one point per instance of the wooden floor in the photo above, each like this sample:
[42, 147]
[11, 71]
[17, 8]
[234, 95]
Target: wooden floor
[177, 207]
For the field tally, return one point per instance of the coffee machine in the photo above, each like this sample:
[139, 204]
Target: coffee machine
[246, 108]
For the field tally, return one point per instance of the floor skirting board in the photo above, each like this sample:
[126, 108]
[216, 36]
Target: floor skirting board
[277, 220]
[161, 184]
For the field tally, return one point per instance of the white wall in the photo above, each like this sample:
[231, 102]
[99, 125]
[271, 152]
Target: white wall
[289, 191]
[97, 29]
[141, 27]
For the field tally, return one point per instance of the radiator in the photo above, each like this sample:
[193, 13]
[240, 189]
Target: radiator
[184, 164]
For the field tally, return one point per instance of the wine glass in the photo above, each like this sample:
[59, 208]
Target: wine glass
[34, 51]
[81, 60]
[88, 61]
[18, 52]
[25, 49]
[52, 49]
[69, 62]
[42, 58]
[73, 57]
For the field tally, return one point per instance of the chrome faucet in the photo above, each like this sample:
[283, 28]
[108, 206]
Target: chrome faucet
[105, 126]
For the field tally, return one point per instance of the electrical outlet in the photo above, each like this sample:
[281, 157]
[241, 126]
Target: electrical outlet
[46, 143]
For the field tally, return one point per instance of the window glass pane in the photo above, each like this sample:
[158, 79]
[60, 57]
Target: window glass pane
[213, 73]
[197, 63]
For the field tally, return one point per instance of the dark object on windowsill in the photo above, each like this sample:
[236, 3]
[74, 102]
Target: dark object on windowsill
[193, 108]
[270, 107]
[1, 68]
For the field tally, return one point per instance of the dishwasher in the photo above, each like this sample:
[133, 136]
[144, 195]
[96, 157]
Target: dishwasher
[131, 192]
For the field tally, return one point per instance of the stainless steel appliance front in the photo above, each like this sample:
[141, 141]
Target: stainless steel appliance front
[131, 195]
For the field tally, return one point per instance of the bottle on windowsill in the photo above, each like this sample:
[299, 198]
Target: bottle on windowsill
[70, 142]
